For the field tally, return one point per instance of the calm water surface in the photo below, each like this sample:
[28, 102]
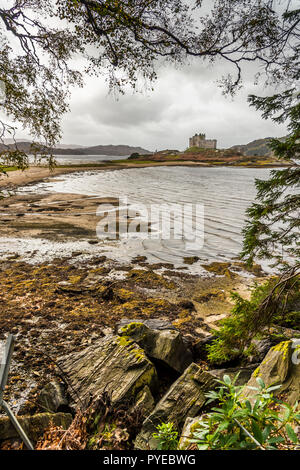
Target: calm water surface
[225, 193]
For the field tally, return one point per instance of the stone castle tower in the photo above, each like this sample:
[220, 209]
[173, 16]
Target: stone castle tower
[200, 141]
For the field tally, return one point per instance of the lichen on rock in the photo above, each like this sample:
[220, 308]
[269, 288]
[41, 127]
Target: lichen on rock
[184, 399]
[165, 345]
[114, 364]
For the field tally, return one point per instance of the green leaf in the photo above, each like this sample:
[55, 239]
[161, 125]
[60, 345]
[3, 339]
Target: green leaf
[227, 379]
[203, 446]
[275, 387]
[260, 382]
[248, 405]
[275, 440]
[291, 433]
[257, 432]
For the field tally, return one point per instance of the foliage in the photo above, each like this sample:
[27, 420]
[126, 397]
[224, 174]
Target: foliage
[272, 229]
[235, 423]
[133, 156]
[34, 74]
[167, 436]
[269, 303]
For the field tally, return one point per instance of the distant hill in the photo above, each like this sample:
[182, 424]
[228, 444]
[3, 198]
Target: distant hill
[118, 150]
[109, 150]
[69, 146]
[257, 147]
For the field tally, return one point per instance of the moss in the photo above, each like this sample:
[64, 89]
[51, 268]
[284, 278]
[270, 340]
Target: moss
[124, 295]
[149, 377]
[217, 267]
[282, 347]
[124, 341]
[138, 354]
[74, 279]
[149, 279]
[133, 349]
[130, 328]
[257, 372]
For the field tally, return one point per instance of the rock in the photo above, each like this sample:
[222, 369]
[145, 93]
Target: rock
[153, 324]
[244, 373]
[145, 401]
[281, 366]
[69, 288]
[53, 397]
[184, 399]
[284, 333]
[261, 347]
[190, 259]
[93, 242]
[139, 259]
[200, 348]
[34, 426]
[165, 345]
[187, 305]
[187, 432]
[114, 364]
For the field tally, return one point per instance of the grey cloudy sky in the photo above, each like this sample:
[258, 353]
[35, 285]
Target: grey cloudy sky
[183, 102]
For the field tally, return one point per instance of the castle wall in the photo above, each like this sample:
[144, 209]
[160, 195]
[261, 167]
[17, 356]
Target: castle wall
[201, 142]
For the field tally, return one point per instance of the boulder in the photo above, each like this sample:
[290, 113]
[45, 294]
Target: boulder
[184, 399]
[53, 397]
[284, 333]
[281, 366]
[34, 426]
[114, 364]
[165, 345]
[261, 347]
[189, 427]
[152, 323]
[144, 401]
[244, 373]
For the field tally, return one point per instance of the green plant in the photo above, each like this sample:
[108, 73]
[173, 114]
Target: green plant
[237, 423]
[167, 436]
[133, 156]
[270, 303]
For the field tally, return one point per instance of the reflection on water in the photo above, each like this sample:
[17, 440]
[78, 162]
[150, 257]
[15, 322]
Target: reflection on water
[79, 159]
[225, 193]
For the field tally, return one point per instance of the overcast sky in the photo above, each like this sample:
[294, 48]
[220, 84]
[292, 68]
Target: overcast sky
[183, 102]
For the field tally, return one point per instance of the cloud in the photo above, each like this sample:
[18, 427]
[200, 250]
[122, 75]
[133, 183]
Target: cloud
[184, 101]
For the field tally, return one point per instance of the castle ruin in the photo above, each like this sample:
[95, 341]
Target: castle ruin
[200, 141]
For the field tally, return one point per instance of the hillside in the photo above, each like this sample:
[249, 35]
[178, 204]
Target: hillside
[257, 147]
[110, 150]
